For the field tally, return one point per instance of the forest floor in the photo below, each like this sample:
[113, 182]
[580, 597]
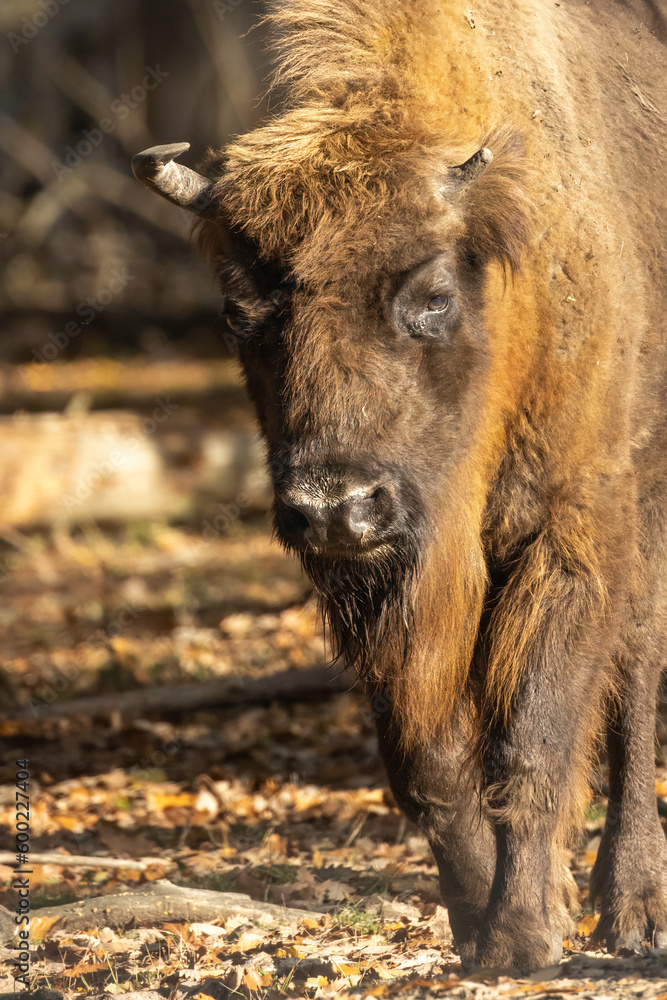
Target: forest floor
[286, 803]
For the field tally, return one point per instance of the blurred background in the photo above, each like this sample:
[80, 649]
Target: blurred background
[134, 543]
[143, 603]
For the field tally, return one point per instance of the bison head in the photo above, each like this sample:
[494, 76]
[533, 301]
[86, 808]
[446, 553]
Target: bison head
[362, 279]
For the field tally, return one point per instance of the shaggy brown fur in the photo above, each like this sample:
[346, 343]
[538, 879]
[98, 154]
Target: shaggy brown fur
[523, 451]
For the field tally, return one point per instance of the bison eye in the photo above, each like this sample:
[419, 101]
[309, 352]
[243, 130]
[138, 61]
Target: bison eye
[233, 316]
[439, 303]
[426, 305]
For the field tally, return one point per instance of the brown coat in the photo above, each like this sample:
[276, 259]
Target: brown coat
[514, 429]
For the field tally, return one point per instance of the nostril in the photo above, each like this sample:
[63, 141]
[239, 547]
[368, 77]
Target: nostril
[299, 519]
[296, 519]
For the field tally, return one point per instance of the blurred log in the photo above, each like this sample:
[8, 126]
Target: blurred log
[60, 469]
[298, 684]
[114, 380]
[174, 994]
[160, 902]
[44, 993]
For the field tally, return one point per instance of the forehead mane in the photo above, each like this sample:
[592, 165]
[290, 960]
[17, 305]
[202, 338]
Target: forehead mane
[375, 112]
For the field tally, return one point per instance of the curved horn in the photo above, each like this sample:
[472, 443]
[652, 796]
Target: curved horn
[473, 167]
[178, 184]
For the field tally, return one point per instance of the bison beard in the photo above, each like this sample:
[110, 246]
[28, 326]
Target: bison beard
[367, 606]
[485, 310]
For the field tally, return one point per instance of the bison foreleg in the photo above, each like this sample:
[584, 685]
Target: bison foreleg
[438, 789]
[630, 875]
[537, 748]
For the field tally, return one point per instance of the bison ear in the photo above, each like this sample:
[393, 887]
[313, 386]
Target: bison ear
[180, 185]
[496, 204]
[472, 168]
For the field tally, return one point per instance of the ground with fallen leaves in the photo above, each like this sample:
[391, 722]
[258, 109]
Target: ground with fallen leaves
[286, 803]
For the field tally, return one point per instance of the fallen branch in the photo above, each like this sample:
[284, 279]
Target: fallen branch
[159, 902]
[134, 995]
[81, 860]
[286, 685]
[45, 994]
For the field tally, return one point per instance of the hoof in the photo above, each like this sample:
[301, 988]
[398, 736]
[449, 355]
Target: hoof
[632, 902]
[631, 925]
[519, 940]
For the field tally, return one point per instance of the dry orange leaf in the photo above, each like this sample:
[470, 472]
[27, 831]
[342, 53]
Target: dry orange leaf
[276, 845]
[347, 970]
[248, 939]
[254, 979]
[154, 872]
[589, 857]
[171, 801]
[310, 923]
[181, 930]
[71, 823]
[660, 787]
[84, 970]
[383, 971]
[123, 648]
[40, 926]
[314, 982]
[11, 727]
[368, 796]
[245, 806]
[588, 924]
[306, 798]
